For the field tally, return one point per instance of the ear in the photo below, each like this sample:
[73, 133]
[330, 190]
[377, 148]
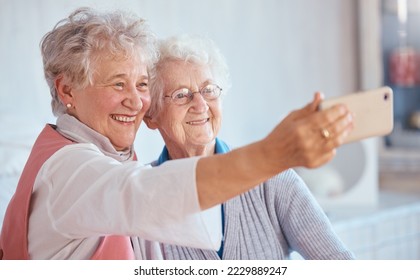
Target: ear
[150, 122]
[64, 90]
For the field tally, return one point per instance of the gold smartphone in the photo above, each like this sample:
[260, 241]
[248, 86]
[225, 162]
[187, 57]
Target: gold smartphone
[372, 109]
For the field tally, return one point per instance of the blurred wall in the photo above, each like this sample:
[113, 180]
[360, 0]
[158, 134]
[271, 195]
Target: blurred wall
[279, 52]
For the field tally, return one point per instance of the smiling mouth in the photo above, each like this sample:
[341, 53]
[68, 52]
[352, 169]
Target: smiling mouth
[198, 122]
[124, 119]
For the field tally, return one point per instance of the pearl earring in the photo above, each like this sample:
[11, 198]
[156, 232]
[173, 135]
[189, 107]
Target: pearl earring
[68, 105]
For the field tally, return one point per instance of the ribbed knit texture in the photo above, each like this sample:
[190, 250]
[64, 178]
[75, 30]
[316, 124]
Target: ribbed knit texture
[270, 221]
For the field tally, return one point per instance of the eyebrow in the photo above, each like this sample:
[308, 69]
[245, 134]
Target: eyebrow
[205, 83]
[116, 76]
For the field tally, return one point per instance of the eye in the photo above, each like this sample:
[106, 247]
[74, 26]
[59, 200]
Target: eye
[181, 94]
[210, 92]
[142, 86]
[119, 85]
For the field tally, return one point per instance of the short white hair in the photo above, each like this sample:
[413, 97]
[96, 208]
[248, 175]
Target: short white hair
[188, 48]
[71, 48]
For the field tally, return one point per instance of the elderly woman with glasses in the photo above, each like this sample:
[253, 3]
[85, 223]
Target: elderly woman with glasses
[270, 221]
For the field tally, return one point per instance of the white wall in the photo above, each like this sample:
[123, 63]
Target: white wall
[279, 52]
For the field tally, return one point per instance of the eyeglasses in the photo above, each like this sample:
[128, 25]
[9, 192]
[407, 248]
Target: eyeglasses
[184, 96]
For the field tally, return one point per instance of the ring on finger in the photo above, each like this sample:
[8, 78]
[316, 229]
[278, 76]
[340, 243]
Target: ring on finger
[325, 133]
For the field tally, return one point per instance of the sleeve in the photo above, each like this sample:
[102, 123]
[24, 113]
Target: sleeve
[90, 194]
[305, 225]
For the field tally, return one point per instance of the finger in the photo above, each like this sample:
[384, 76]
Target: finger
[314, 104]
[343, 125]
[318, 98]
[335, 141]
[332, 136]
[310, 108]
[325, 124]
[325, 118]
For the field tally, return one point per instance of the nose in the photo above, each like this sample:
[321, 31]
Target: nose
[198, 103]
[136, 100]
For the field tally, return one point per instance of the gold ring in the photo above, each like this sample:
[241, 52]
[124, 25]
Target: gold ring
[325, 133]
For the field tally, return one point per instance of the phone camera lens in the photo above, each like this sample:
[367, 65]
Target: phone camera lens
[386, 96]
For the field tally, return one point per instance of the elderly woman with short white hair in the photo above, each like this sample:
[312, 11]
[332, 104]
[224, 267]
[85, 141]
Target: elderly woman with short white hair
[276, 217]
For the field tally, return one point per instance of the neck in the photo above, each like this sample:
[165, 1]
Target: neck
[191, 151]
[219, 147]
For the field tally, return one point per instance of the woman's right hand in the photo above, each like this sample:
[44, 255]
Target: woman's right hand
[308, 137]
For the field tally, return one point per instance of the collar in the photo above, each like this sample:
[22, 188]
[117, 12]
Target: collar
[220, 148]
[73, 129]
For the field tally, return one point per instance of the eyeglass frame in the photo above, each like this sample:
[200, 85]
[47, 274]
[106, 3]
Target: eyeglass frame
[191, 94]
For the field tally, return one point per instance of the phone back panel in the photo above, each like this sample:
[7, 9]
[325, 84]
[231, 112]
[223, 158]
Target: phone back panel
[372, 109]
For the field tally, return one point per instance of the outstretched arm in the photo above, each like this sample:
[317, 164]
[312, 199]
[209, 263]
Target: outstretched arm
[296, 141]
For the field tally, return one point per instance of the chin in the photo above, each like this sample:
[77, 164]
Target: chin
[121, 146]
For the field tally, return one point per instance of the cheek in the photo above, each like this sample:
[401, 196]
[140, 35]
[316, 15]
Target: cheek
[90, 107]
[172, 120]
[107, 105]
[216, 126]
[217, 112]
[146, 100]
[166, 120]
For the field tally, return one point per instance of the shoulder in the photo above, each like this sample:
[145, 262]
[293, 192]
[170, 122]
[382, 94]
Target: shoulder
[75, 156]
[286, 179]
[280, 186]
[286, 187]
[77, 150]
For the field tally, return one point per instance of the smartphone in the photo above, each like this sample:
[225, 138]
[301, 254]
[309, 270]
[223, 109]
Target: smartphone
[372, 109]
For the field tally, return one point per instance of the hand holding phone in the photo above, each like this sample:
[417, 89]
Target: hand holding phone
[372, 111]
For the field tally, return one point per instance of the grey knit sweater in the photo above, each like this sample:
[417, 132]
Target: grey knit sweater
[269, 222]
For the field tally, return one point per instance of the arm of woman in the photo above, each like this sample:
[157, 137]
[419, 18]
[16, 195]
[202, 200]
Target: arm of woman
[296, 141]
[80, 193]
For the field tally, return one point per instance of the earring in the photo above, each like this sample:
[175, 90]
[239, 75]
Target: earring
[68, 105]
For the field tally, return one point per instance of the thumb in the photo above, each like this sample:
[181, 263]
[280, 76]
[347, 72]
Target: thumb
[312, 107]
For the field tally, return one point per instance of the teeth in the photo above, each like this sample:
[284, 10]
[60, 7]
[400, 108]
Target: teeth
[123, 118]
[198, 122]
